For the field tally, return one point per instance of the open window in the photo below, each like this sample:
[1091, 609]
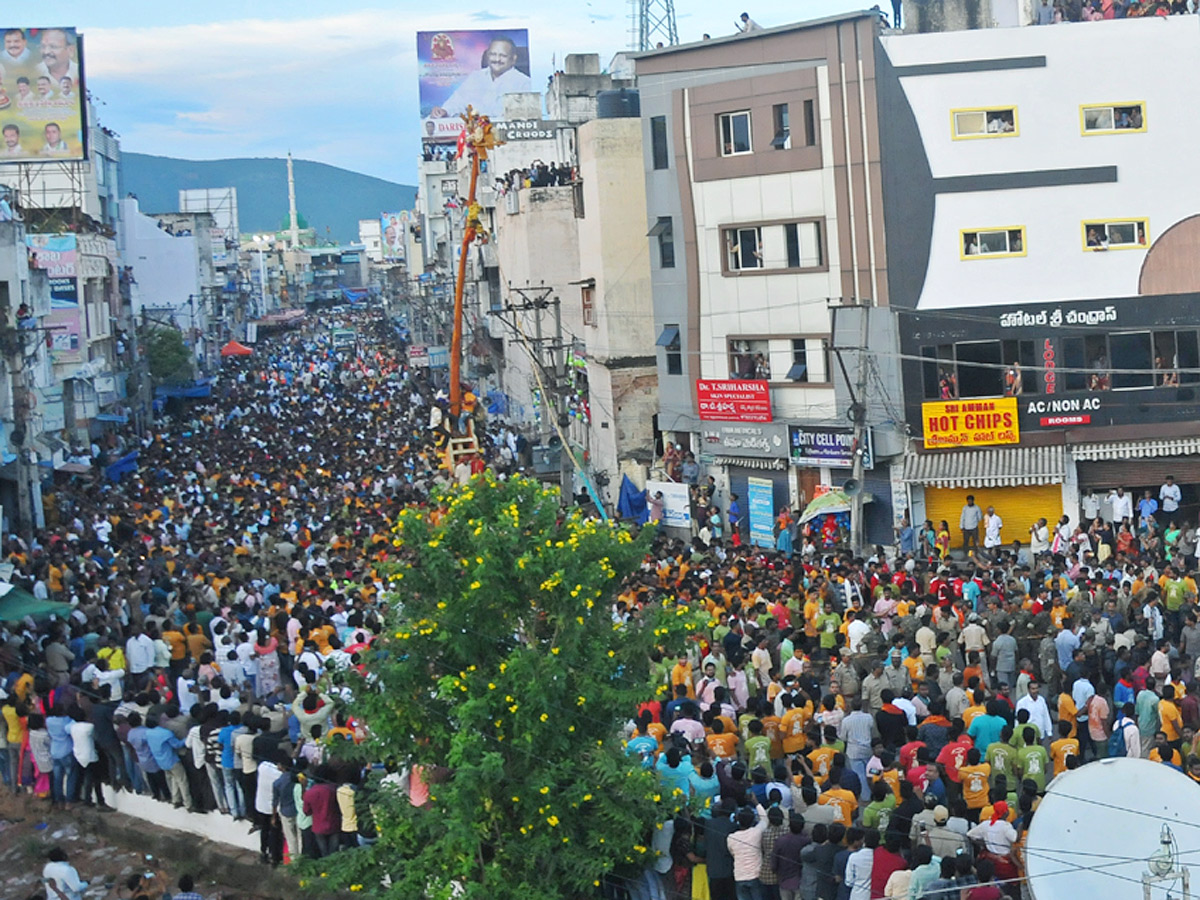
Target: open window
[743, 248]
[734, 131]
[1112, 118]
[990, 122]
[669, 340]
[985, 243]
[783, 128]
[1116, 234]
[750, 359]
[810, 361]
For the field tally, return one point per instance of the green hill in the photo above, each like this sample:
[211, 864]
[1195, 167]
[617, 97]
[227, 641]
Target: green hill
[326, 196]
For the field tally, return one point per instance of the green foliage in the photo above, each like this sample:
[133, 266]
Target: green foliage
[501, 663]
[169, 357]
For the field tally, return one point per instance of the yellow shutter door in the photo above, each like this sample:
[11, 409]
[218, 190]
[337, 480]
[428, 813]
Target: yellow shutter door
[1018, 507]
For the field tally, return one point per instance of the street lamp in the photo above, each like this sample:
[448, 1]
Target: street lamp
[1163, 865]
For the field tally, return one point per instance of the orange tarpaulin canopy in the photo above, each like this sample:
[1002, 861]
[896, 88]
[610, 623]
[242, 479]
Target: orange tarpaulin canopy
[233, 348]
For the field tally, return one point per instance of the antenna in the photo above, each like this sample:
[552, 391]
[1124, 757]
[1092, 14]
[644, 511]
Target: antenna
[652, 22]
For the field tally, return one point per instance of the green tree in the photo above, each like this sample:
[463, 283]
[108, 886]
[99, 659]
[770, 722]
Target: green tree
[169, 357]
[501, 669]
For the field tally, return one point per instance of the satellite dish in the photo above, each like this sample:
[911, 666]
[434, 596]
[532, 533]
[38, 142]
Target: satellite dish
[1100, 831]
[852, 487]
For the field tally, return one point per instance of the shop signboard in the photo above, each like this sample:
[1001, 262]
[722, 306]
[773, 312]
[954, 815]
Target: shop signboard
[733, 400]
[767, 440]
[761, 502]
[970, 423]
[815, 446]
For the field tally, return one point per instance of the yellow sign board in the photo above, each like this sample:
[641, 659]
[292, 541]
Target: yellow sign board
[970, 423]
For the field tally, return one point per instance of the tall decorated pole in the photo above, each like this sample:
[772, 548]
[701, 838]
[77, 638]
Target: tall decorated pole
[476, 139]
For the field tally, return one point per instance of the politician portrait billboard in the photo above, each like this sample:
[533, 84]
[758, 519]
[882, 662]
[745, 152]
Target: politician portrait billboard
[42, 111]
[391, 231]
[461, 68]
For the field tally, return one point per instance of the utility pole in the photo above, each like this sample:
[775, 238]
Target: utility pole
[14, 360]
[858, 416]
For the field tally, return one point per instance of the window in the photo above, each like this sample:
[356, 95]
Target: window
[979, 369]
[810, 361]
[783, 130]
[750, 359]
[993, 242]
[1019, 359]
[803, 244]
[735, 133]
[587, 296]
[774, 247]
[658, 142]
[1132, 350]
[1115, 234]
[1114, 118]
[810, 123]
[669, 340]
[1187, 356]
[665, 232]
[984, 123]
[743, 248]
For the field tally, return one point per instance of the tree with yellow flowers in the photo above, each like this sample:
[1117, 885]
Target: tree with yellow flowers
[503, 679]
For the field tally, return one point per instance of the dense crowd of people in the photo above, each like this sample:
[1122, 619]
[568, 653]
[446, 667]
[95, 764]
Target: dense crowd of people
[862, 728]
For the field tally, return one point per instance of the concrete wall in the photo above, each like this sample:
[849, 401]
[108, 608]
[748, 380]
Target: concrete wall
[165, 266]
[1078, 177]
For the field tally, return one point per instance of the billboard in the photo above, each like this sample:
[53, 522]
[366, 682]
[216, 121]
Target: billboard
[42, 111]
[677, 505]
[457, 68]
[58, 256]
[815, 446]
[735, 400]
[761, 504]
[391, 231]
[970, 423]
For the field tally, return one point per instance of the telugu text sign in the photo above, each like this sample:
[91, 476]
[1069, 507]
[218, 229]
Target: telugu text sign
[970, 423]
[733, 401]
[42, 113]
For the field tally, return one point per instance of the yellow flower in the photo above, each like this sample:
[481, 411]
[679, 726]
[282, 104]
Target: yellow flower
[553, 820]
[356, 887]
[516, 799]
[491, 685]
[582, 700]
[545, 790]
[587, 797]
[544, 717]
[503, 666]
[554, 650]
[441, 604]
[433, 545]
[611, 654]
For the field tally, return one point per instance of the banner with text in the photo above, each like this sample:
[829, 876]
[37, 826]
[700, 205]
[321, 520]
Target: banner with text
[677, 506]
[42, 113]
[734, 400]
[761, 503]
[970, 423]
[392, 232]
[832, 447]
[468, 68]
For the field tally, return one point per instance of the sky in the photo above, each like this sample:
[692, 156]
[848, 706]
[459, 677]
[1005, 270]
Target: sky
[335, 83]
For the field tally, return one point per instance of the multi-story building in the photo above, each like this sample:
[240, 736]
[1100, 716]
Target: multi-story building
[1042, 271]
[764, 217]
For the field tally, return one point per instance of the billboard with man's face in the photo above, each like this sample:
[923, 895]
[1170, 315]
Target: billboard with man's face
[391, 231]
[42, 112]
[461, 68]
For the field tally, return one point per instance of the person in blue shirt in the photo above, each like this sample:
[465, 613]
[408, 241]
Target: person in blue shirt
[145, 758]
[643, 744]
[675, 772]
[165, 748]
[58, 724]
[233, 787]
[985, 730]
[906, 536]
[1147, 507]
[704, 784]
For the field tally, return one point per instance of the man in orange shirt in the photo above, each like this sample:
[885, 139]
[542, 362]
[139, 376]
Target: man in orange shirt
[974, 780]
[1065, 747]
[721, 745]
[843, 803]
[791, 726]
[681, 673]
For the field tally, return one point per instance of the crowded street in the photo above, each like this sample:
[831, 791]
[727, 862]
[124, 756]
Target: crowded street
[910, 703]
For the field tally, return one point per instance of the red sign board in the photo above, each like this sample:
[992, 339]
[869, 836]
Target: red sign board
[734, 401]
[1059, 421]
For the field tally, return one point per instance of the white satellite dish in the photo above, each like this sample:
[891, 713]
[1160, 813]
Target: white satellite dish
[1099, 832]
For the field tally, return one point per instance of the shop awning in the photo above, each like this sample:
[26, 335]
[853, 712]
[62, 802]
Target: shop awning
[1137, 449]
[993, 467]
[750, 462]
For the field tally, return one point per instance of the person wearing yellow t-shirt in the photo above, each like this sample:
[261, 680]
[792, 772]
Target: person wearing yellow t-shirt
[973, 777]
[843, 802]
[1169, 717]
[821, 760]
[681, 673]
[1066, 746]
[1067, 711]
[1163, 752]
[791, 726]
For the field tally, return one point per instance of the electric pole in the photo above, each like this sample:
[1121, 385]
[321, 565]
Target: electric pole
[14, 359]
[858, 417]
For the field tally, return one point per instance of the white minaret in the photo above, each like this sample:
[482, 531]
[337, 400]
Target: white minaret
[295, 222]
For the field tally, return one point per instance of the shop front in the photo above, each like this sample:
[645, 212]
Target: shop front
[748, 458]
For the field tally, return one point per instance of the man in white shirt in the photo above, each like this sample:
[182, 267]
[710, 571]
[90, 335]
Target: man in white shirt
[992, 523]
[1090, 503]
[61, 878]
[1170, 496]
[485, 88]
[1122, 505]
[1039, 713]
[139, 655]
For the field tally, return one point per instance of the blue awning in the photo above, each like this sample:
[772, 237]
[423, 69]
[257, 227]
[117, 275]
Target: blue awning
[117, 418]
[669, 336]
[123, 466]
